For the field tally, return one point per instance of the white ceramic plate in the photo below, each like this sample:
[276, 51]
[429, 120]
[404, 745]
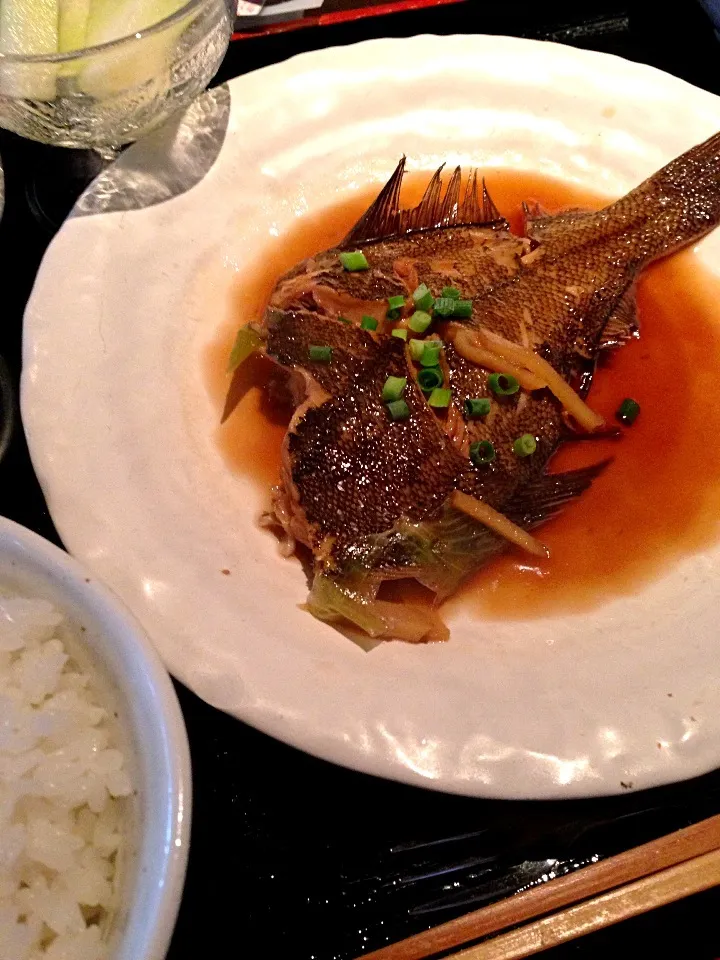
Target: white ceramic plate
[121, 428]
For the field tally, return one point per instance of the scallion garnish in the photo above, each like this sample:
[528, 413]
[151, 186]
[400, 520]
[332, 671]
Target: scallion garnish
[431, 354]
[420, 321]
[503, 384]
[354, 260]
[477, 407]
[482, 452]
[345, 320]
[398, 410]
[396, 303]
[422, 298]
[393, 314]
[320, 354]
[368, 323]
[463, 308]
[439, 398]
[444, 306]
[452, 292]
[628, 411]
[525, 445]
[399, 332]
[393, 388]
[429, 378]
[417, 348]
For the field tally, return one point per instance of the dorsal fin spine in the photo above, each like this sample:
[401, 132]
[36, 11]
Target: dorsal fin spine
[385, 220]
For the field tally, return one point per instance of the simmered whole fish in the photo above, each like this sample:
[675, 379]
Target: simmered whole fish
[437, 362]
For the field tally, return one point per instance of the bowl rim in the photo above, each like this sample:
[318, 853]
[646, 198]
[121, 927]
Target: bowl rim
[191, 6]
[147, 932]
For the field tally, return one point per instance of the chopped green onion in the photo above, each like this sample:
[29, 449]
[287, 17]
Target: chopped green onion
[503, 384]
[417, 348]
[482, 452]
[393, 314]
[450, 292]
[355, 260]
[439, 398]
[393, 388]
[400, 332]
[368, 323]
[422, 298]
[477, 407]
[246, 343]
[396, 303]
[398, 410]
[429, 378]
[444, 306]
[628, 411]
[463, 308]
[320, 354]
[431, 354]
[345, 320]
[420, 321]
[525, 445]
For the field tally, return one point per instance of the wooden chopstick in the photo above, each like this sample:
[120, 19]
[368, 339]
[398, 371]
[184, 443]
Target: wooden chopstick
[631, 865]
[624, 902]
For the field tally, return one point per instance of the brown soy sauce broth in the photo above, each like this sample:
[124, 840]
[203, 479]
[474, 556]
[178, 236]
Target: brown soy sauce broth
[658, 500]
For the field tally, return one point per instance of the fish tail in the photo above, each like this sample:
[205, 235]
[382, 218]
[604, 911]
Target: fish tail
[695, 170]
[677, 205]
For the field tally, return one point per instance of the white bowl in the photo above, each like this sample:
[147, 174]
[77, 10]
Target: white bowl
[149, 715]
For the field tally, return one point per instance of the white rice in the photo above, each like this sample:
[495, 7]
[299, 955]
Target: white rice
[62, 778]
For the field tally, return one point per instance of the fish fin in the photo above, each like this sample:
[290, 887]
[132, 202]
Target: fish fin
[430, 209]
[471, 210]
[675, 206]
[490, 213]
[623, 323]
[438, 208]
[683, 199]
[477, 207]
[547, 496]
[382, 218]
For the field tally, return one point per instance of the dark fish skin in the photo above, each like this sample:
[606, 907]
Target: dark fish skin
[291, 333]
[381, 470]
[477, 257]
[370, 496]
[536, 413]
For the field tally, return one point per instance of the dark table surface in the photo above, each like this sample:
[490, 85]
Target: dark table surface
[291, 856]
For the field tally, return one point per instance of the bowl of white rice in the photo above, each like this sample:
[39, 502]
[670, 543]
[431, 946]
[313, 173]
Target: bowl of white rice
[94, 768]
